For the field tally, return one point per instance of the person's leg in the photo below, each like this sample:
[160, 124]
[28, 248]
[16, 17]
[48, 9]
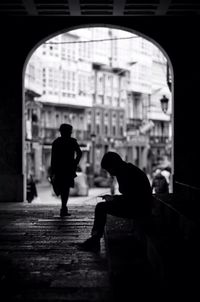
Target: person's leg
[93, 243]
[101, 211]
[99, 220]
[64, 199]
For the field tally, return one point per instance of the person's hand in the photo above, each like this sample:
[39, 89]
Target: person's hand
[107, 197]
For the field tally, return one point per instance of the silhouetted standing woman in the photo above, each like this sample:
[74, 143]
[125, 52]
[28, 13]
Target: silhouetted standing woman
[65, 156]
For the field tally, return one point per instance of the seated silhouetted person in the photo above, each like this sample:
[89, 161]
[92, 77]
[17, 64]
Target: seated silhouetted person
[65, 156]
[135, 200]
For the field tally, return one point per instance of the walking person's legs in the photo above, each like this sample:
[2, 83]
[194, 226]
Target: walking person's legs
[64, 199]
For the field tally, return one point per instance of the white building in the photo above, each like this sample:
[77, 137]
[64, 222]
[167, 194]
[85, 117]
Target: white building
[108, 82]
[33, 89]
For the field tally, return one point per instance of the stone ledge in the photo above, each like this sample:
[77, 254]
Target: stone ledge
[168, 253]
[130, 272]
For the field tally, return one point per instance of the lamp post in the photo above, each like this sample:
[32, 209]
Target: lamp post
[93, 138]
[164, 102]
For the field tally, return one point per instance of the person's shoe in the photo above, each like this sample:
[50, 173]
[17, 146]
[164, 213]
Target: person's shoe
[91, 244]
[64, 212]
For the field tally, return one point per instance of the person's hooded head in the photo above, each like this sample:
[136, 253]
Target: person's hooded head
[65, 130]
[111, 162]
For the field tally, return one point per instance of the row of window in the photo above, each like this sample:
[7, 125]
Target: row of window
[160, 129]
[106, 114]
[109, 101]
[113, 126]
[106, 130]
[56, 93]
[77, 45]
[85, 81]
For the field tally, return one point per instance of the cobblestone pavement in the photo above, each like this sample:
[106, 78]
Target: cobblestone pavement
[45, 196]
[39, 259]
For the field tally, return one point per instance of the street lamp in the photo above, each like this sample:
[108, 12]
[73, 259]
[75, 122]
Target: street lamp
[164, 103]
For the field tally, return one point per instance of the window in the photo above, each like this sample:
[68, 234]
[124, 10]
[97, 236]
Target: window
[114, 130]
[116, 100]
[89, 128]
[106, 129]
[57, 120]
[98, 129]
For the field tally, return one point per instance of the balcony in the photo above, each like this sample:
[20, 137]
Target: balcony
[134, 124]
[159, 140]
[32, 132]
[35, 131]
[49, 135]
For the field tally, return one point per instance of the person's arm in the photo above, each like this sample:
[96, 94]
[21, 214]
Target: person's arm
[152, 185]
[53, 160]
[78, 154]
[108, 197]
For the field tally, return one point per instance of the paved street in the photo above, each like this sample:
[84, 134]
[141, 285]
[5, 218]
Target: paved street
[46, 196]
[39, 259]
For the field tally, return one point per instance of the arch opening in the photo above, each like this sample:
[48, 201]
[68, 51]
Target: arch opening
[108, 82]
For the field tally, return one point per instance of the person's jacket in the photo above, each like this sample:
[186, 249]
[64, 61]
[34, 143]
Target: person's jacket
[65, 156]
[134, 186]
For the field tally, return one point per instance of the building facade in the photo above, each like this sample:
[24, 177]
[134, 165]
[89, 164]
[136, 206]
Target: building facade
[107, 83]
[32, 90]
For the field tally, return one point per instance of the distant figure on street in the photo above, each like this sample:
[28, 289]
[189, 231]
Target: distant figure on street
[159, 183]
[135, 200]
[167, 174]
[65, 156]
[31, 190]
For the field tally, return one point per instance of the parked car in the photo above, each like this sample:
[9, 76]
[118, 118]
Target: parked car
[81, 187]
